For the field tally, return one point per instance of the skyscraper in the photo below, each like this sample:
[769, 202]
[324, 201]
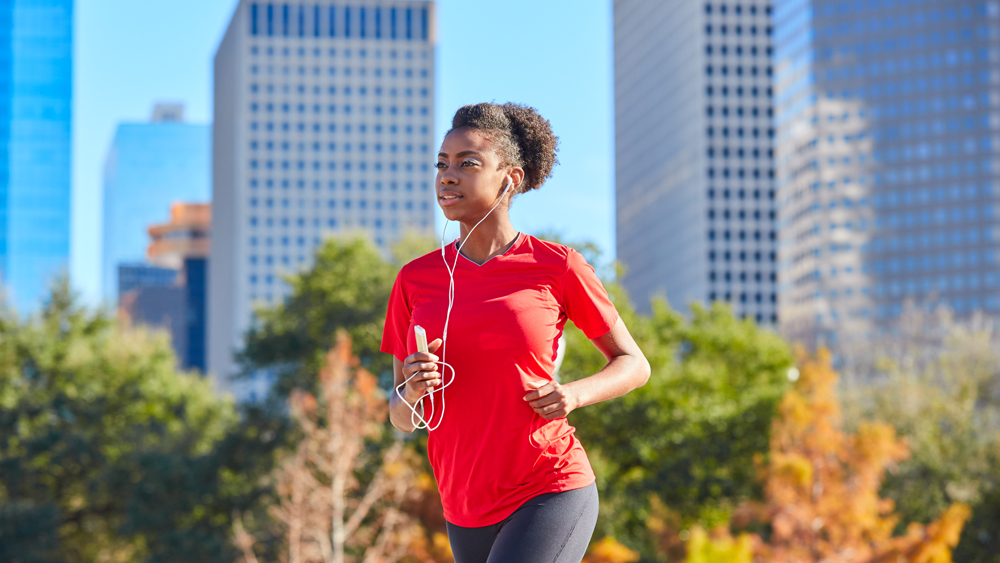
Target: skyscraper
[36, 72]
[176, 303]
[148, 167]
[886, 119]
[694, 158]
[324, 116]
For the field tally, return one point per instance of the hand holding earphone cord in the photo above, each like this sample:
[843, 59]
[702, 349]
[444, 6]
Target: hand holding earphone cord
[422, 343]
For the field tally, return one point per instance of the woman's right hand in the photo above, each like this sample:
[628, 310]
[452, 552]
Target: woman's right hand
[429, 377]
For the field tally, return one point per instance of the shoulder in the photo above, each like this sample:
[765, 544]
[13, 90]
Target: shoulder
[421, 265]
[552, 253]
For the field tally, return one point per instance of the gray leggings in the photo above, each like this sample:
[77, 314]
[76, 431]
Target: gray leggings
[549, 528]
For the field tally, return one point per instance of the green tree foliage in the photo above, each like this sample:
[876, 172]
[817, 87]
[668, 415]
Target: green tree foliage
[937, 380]
[107, 453]
[347, 288]
[691, 432]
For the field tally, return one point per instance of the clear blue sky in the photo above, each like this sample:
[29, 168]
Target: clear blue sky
[554, 55]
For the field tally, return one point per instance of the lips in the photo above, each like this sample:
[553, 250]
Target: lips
[449, 198]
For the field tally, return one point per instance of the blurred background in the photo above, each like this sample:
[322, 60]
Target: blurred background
[793, 203]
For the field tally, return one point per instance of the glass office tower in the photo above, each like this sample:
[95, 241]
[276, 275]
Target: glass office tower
[149, 167]
[886, 160]
[36, 71]
[694, 175]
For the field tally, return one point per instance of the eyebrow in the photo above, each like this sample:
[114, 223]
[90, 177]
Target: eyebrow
[461, 154]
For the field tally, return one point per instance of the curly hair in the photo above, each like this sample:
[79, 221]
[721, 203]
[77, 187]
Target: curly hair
[520, 136]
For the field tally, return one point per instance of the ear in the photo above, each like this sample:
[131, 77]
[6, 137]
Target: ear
[516, 176]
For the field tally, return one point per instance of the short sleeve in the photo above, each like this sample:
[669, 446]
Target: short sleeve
[397, 321]
[585, 300]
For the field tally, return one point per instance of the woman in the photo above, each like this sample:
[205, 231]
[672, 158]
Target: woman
[515, 482]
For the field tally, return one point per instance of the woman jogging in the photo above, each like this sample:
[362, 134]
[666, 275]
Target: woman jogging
[515, 482]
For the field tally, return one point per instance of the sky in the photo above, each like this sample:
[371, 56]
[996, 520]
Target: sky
[554, 55]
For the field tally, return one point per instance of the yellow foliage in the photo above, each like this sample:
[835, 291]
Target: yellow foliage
[821, 490]
[795, 467]
[608, 550]
[725, 549]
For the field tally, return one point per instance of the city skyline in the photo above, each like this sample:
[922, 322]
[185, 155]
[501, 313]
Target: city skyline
[568, 81]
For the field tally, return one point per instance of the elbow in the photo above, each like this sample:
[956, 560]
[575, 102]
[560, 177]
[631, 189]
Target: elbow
[643, 371]
[403, 429]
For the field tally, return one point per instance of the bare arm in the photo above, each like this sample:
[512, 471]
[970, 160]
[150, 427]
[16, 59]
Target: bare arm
[627, 369]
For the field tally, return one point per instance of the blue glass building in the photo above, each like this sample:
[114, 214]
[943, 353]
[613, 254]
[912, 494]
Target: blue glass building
[886, 162]
[149, 166]
[36, 73]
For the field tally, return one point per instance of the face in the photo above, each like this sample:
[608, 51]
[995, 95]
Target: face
[468, 179]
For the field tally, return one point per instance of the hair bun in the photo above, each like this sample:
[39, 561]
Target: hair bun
[521, 136]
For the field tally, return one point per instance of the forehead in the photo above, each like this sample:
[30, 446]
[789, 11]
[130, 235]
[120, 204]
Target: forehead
[466, 139]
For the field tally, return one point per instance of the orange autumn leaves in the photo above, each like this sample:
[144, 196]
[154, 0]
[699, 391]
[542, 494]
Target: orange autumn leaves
[821, 491]
[324, 512]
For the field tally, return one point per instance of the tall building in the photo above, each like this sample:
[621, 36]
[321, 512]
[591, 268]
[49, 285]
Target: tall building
[170, 290]
[36, 90]
[693, 151]
[324, 116]
[148, 167]
[886, 158]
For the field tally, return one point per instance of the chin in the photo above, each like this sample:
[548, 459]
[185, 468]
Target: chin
[451, 214]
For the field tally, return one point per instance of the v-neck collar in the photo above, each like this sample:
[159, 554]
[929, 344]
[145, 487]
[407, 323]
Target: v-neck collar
[465, 259]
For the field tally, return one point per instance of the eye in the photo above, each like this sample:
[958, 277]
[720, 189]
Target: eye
[470, 163]
[440, 165]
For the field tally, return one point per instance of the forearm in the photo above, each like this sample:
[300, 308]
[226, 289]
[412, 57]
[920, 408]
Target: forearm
[621, 375]
[400, 414]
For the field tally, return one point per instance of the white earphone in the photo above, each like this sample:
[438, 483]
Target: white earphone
[415, 418]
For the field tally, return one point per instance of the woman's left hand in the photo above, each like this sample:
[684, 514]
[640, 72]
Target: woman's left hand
[552, 400]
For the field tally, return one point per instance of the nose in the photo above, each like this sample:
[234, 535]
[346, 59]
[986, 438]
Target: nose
[447, 178]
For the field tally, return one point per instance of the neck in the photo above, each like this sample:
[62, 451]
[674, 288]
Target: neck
[491, 238]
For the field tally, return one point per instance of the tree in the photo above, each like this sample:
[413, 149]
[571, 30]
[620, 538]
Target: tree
[107, 453]
[821, 485]
[339, 498]
[680, 449]
[937, 379]
[346, 288]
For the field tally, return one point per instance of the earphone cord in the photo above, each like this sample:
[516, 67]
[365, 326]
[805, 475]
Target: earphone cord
[420, 422]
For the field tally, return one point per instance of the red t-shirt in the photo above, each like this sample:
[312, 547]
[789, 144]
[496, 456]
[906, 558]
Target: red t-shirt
[492, 452]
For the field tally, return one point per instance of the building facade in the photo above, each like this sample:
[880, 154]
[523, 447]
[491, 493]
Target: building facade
[324, 117]
[148, 167]
[169, 291]
[36, 73]
[693, 152]
[886, 156]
